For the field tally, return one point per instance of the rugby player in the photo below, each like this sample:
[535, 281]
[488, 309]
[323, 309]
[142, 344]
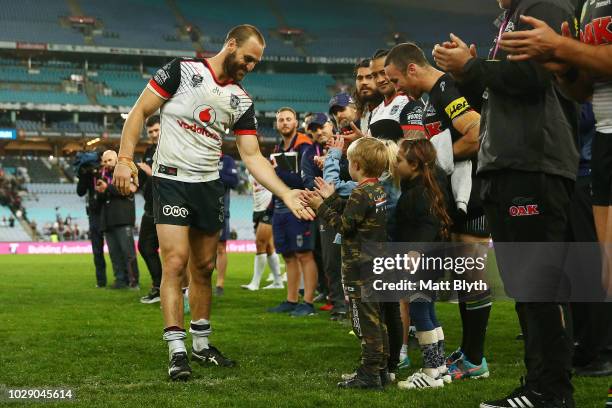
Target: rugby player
[452, 126]
[200, 100]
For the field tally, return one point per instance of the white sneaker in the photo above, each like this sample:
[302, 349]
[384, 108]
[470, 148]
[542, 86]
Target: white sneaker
[249, 287]
[420, 380]
[275, 285]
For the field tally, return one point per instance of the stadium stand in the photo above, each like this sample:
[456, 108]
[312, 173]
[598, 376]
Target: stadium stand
[20, 17]
[133, 26]
[16, 233]
[39, 170]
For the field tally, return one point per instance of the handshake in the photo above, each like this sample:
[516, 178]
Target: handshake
[314, 198]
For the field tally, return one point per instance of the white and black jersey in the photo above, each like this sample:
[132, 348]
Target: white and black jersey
[199, 111]
[390, 110]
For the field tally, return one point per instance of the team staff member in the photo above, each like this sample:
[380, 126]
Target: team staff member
[199, 99]
[148, 244]
[292, 236]
[585, 70]
[527, 159]
[117, 221]
[228, 174]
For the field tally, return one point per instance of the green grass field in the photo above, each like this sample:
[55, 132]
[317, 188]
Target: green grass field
[58, 330]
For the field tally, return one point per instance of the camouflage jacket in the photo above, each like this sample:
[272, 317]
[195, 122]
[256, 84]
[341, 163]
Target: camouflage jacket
[361, 218]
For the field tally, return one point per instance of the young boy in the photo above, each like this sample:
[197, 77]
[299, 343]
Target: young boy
[361, 218]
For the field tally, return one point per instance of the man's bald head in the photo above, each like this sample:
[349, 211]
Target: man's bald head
[109, 159]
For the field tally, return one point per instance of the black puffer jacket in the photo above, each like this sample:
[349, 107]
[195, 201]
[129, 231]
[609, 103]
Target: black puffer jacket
[526, 122]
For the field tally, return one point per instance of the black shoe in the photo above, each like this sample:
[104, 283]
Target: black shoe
[152, 297]
[178, 368]
[520, 336]
[212, 355]
[118, 285]
[524, 397]
[338, 316]
[362, 380]
[386, 377]
[597, 368]
[219, 291]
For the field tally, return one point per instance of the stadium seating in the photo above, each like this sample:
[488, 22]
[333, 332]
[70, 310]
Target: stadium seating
[39, 209]
[141, 23]
[46, 97]
[15, 234]
[39, 170]
[20, 17]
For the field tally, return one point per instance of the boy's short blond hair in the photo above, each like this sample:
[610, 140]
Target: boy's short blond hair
[371, 155]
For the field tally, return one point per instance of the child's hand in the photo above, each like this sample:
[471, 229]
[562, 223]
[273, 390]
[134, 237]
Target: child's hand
[311, 199]
[336, 142]
[324, 189]
[319, 161]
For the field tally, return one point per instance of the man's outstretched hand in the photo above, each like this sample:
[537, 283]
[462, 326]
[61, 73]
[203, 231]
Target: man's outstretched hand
[292, 199]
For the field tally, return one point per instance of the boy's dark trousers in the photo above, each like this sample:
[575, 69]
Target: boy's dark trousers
[369, 326]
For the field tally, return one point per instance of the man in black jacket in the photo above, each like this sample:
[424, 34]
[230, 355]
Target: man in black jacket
[528, 161]
[88, 177]
[148, 243]
[117, 220]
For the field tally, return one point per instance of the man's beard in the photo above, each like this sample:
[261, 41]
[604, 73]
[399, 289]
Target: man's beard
[289, 132]
[232, 68]
[373, 96]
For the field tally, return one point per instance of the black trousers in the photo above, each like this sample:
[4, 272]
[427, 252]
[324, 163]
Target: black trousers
[592, 320]
[393, 320]
[97, 245]
[148, 246]
[533, 207]
[332, 265]
[322, 286]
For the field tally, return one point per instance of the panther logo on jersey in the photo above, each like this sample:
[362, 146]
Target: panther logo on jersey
[204, 114]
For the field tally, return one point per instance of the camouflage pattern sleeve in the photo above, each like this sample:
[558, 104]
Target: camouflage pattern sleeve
[347, 221]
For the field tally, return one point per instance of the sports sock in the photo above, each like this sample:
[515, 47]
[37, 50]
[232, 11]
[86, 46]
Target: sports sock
[441, 359]
[465, 326]
[175, 337]
[274, 264]
[477, 314]
[428, 343]
[404, 349]
[258, 269]
[200, 330]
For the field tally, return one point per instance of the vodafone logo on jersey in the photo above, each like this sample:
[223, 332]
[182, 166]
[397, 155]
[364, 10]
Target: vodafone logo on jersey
[205, 115]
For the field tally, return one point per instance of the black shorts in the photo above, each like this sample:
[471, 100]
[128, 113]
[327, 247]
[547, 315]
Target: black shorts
[264, 217]
[601, 174]
[198, 205]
